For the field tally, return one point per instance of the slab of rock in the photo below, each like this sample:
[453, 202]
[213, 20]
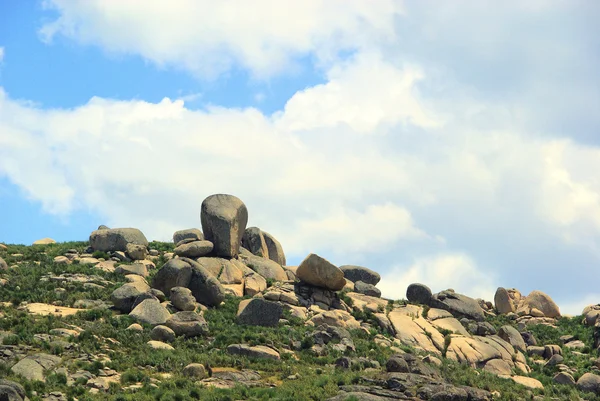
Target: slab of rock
[498, 367]
[503, 302]
[275, 249]
[459, 305]
[542, 302]
[224, 218]
[116, 239]
[175, 273]
[182, 299]
[188, 324]
[32, 367]
[233, 272]
[150, 311]
[414, 330]
[41, 309]
[259, 351]
[194, 249]
[254, 284]
[367, 289]
[265, 267]
[335, 318]
[418, 293]
[11, 391]
[529, 382]
[319, 272]
[259, 312]
[136, 268]
[564, 378]
[254, 241]
[359, 273]
[160, 345]
[511, 335]
[191, 233]
[124, 297]
[44, 241]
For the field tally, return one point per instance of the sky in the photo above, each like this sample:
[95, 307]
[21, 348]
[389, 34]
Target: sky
[456, 144]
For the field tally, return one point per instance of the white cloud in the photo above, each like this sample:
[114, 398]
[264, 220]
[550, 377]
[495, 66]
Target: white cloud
[1, 54]
[455, 270]
[208, 37]
[442, 134]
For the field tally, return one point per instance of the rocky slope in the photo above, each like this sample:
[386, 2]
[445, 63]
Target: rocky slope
[218, 315]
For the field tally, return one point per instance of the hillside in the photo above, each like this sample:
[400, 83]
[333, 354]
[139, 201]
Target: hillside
[218, 315]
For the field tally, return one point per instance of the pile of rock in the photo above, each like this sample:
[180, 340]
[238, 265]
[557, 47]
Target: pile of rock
[535, 308]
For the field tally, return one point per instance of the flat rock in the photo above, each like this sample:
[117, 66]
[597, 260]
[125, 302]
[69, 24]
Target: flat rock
[191, 233]
[47, 309]
[44, 241]
[160, 345]
[258, 351]
[360, 273]
[194, 249]
[459, 305]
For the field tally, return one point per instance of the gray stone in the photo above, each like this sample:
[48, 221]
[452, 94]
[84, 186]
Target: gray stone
[116, 239]
[194, 249]
[513, 337]
[188, 324]
[124, 297]
[459, 305]
[142, 297]
[150, 311]
[175, 273]
[319, 272]
[275, 249]
[418, 293]
[359, 273]
[136, 268]
[502, 301]
[259, 312]
[367, 289]
[265, 267]
[162, 333]
[136, 252]
[589, 382]
[191, 233]
[254, 241]
[205, 287]
[259, 351]
[224, 218]
[29, 369]
[16, 387]
[8, 393]
[195, 371]
[564, 378]
[183, 299]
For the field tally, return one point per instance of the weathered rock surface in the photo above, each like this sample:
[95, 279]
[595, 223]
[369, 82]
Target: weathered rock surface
[319, 272]
[275, 249]
[44, 241]
[182, 299]
[418, 293]
[116, 239]
[194, 249]
[3, 265]
[188, 324]
[254, 241]
[542, 302]
[259, 312]
[123, 298]
[367, 289]
[191, 233]
[265, 267]
[511, 335]
[259, 351]
[502, 301]
[224, 219]
[457, 304]
[359, 273]
[205, 287]
[150, 311]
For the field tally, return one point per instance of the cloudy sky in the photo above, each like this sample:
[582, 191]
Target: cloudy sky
[451, 143]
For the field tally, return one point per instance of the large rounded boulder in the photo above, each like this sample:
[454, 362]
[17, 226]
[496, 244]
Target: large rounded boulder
[224, 218]
[319, 272]
[275, 249]
[359, 273]
[116, 239]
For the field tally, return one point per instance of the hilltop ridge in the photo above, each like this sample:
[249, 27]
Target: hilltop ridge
[218, 315]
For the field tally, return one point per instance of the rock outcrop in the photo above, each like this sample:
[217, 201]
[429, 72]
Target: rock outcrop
[224, 219]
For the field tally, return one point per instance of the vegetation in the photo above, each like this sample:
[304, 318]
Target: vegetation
[105, 343]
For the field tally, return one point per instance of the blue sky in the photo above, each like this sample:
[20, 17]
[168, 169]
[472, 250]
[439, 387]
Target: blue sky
[455, 145]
